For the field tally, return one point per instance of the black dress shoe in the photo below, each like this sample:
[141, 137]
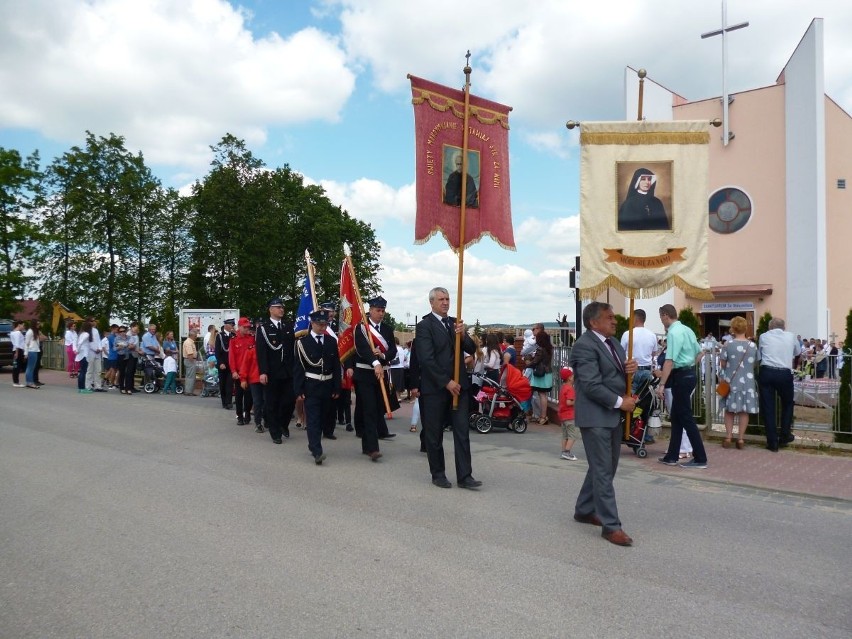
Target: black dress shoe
[276, 441]
[774, 449]
[442, 482]
[319, 458]
[388, 436]
[469, 482]
[330, 436]
[240, 421]
[349, 428]
[286, 432]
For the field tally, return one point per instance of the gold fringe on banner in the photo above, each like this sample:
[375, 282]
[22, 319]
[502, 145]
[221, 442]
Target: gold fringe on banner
[658, 289]
[634, 139]
[483, 115]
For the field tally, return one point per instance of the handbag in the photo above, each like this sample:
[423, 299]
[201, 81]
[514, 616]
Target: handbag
[723, 388]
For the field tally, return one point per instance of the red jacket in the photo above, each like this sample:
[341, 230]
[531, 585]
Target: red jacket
[236, 349]
[248, 369]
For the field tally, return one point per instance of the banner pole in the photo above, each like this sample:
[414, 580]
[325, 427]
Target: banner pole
[311, 280]
[366, 327]
[462, 215]
[627, 423]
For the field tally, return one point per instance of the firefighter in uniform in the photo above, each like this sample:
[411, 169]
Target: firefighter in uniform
[316, 379]
[223, 347]
[274, 342]
[372, 354]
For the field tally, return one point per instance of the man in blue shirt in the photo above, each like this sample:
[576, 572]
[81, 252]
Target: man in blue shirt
[150, 345]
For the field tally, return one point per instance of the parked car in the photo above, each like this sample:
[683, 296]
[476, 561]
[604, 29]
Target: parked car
[5, 342]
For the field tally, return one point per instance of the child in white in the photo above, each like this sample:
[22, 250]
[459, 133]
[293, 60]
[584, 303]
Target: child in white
[170, 369]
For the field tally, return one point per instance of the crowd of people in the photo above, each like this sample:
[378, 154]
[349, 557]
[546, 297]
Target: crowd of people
[267, 375]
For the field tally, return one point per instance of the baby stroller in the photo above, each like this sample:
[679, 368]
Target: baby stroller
[152, 372]
[499, 404]
[210, 384]
[648, 408]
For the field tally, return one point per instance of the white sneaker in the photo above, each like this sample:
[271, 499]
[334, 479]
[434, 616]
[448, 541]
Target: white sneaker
[19, 385]
[567, 454]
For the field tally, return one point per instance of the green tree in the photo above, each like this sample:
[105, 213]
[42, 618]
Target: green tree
[688, 318]
[843, 412]
[763, 323]
[19, 187]
[250, 227]
[97, 213]
[622, 325]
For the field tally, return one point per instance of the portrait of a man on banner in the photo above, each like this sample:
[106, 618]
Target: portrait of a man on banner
[452, 171]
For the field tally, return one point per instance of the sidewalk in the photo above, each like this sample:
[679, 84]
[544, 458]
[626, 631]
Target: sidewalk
[789, 470]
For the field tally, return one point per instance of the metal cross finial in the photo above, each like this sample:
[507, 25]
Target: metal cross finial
[727, 136]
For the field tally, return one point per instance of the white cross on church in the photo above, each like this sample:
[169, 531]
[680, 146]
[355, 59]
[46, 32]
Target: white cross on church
[727, 136]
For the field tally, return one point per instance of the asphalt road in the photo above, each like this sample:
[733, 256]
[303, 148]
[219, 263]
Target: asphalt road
[152, 516]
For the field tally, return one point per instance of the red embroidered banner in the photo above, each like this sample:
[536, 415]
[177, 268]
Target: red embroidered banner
[439, 129]
[350, 314]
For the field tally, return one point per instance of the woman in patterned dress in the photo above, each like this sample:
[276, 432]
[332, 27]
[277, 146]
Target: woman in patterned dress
[737, 361]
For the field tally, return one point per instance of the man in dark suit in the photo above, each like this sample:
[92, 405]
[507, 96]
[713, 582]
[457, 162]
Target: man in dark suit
[316, 379]
[373, 353]
[274, 342]
[435, 356]
[600, 381]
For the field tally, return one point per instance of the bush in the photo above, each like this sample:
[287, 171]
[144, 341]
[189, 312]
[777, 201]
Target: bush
[843, 411]
[688, 318]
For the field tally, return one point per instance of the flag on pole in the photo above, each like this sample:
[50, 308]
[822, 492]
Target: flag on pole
[643, 208]
[306, 306]
[350, 315]
[439, 128]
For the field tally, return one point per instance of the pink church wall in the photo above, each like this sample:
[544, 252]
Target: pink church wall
[838, 164]
[754, 163]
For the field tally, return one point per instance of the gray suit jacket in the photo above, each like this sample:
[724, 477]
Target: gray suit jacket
[598, 381]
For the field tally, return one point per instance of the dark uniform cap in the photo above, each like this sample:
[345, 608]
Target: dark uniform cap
[319, 316]
[329, 306]
[275, 301]
[230, 321]
[377, 302]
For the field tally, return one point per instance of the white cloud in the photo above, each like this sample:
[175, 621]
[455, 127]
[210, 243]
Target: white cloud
[495, 291]
[372, 201]
[554, 60]
[169, 76]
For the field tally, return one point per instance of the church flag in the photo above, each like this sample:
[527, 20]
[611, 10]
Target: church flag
[439, 128]
[306, 307]
[643, 208]
[350, 315]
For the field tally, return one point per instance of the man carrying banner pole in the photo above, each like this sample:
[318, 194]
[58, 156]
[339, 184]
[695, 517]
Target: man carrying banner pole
[374, 346]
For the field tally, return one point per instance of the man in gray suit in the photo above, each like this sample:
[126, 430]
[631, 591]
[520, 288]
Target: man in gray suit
[434, 347]
[600, 381]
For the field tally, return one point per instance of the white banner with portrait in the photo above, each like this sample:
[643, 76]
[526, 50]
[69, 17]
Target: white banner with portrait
[643, 208]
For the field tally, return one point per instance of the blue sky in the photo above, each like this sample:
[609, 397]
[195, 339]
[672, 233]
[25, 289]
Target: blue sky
[321, 85]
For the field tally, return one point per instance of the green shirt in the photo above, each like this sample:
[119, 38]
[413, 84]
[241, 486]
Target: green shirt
[681, 345]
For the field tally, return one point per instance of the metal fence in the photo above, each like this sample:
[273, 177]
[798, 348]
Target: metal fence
[814, 392]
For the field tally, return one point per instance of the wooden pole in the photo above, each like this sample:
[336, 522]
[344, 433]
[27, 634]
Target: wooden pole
[311, 279]
[366, 327]
[627, 422]
[462, 214]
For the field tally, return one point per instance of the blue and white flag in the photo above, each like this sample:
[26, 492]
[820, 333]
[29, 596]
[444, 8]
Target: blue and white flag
[306, 307]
